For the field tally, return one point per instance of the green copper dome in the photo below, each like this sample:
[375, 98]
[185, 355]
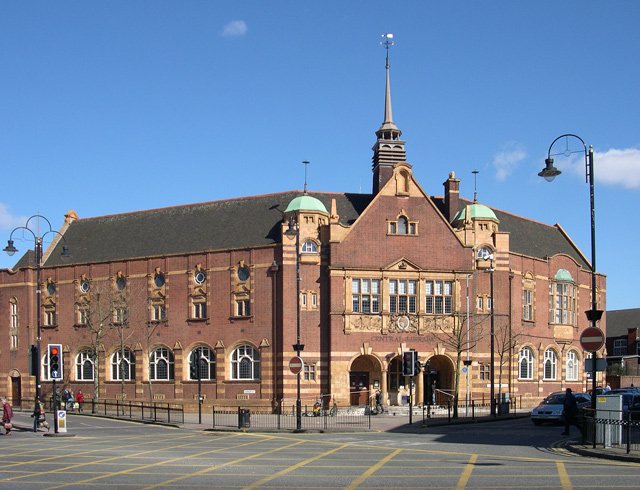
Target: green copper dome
[477, 211]
[306, 203]
[563, 275]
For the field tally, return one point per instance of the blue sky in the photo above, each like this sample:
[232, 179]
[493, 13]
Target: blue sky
[110, 107]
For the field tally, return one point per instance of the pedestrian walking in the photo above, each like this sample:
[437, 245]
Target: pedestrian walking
[379, 407]
[570, 412]
[39, 419]
[7, 415]
[79, 400]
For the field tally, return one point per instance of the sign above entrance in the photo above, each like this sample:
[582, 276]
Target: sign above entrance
[296, 364]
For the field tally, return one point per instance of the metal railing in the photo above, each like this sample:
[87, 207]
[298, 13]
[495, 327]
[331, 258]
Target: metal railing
[283, 417]
[133, 410]
[471, 410]
[613, 429]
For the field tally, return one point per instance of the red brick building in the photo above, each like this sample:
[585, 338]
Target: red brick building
[148, 298]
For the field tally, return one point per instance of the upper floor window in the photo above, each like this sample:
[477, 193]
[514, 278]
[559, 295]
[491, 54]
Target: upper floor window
[562, 299]
[525, 363]
[161, 365]
[49, 318]
[527, 304]
[550, 365]
[82, 314]
[13, 313]
[84, 366]
[243, 307]
[402, 226]
[309, 247]
[309, 372]
[572, 366]
[365, 295]
[439, 297]
[402, 296]
[245, 363]
[620, 347]
[202, 362]
[158, 311]
[119, 314]
[485, 372]
[123, 365]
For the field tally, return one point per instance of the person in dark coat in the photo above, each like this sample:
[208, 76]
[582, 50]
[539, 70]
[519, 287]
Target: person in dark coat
[570, 411]
[7, 415]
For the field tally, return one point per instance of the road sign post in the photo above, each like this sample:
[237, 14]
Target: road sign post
[592, 339]
[296, 364]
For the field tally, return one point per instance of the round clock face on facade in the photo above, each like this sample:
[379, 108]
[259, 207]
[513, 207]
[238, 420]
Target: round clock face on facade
[243, 273]
[159, 280]
[51, 288]
[85, 286]
[200, 277]
[121, 282]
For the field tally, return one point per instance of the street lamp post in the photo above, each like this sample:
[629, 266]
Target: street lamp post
[493, 350]
[294, 229]
[11, 249]
[549, 173]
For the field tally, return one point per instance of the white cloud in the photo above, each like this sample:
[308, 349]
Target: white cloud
[7, 220]
[507, 159]
[235, 28]
[613, 167]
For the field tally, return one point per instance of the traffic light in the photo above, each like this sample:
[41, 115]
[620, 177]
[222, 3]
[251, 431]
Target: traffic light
[193, 368]
[34, 360]
[55, 361]
[409, 361]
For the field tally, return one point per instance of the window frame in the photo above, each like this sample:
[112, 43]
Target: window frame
[528, 304]
[309, 247]
[207, 369]
[83, 363]
[309, 373]
[129, 360]
[527, 356]
[366, 291]
[620, 347]
[397, 298]
[550, 360]
[432, 296]
[572, 371]
[242, 353]
[162, 355]
[562, 303]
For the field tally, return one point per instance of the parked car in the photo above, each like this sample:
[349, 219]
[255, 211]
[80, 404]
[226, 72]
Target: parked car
[551, 408]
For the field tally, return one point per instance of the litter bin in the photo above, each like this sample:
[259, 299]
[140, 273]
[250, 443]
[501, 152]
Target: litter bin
[244, 418]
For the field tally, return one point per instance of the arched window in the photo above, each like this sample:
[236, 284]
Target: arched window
[403, 225]
[525, 362]
[572, 366]
[550, 364]
[202, 359]
[309, 247]
[123, 366]
[161, 365]
[245, 363]
[84, 366]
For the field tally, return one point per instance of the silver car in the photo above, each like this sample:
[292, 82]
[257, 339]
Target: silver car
[551, 408]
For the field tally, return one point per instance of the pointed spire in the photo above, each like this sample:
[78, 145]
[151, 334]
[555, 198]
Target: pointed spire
[388, 123]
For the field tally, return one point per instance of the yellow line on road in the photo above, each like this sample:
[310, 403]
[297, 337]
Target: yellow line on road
[466, 474]
[564, 476]
[294, 467]
[361, 479]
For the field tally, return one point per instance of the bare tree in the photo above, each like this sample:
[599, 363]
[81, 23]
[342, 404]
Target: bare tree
[453, 333]
[506, 338]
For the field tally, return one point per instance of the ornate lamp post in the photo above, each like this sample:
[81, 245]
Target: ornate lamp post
[549, 173]
[294, 229]
[11, 249]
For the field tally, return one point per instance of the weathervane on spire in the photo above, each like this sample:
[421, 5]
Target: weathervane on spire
[306, 164]
[387, 43]
[475, 185]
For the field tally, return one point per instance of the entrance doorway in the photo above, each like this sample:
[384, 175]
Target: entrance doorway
[359, 388]
[439, 381]
[16, 391]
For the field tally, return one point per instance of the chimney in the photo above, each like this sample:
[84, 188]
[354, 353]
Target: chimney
[451, 196]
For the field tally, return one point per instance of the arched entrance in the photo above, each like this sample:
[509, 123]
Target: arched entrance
[439, 381]
[365, 377]
[16, 388]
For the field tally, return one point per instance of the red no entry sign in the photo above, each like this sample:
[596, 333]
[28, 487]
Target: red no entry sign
[591, 339]
[296, 364]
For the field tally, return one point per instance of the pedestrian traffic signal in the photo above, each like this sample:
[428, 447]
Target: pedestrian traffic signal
[194, 371]
[55, 361]
[409, 360]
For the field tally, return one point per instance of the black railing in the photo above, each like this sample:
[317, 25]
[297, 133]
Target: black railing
[472, 410]
[132, 410]
[613, 429]
[283, 417]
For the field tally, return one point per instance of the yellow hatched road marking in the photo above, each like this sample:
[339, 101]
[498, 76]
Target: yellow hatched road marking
[360, 480]
[464, 478]
[564, 476]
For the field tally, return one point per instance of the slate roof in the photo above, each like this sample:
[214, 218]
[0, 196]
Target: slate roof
[218, 225]
[620, 321]
[531, 238]
[245, 223]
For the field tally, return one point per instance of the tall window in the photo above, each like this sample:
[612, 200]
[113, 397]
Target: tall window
[365, 295]
[84, 366]
[82, 314]
[439, 297]
[161, 366]
[243, 307]
[402, 296]
[13, 322]
[123, 366]
[550, 364]
[562, 303]
[525, 363]
[199, 307]
[403, 225]
[527, 304]
[49, 318]
[572, 366]
[245, 363]
[620, 347]
[202, 359]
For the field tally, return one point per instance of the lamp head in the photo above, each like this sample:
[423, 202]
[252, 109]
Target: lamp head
[549, 172]
[10, 249]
